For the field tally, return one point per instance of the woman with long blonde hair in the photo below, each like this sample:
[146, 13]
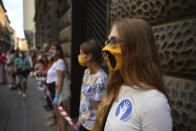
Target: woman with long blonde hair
[135, 98]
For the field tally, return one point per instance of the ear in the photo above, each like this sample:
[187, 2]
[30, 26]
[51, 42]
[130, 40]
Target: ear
[89, 57]
[57, 52]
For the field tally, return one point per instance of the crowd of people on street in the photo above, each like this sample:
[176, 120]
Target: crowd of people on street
[49, 68]
[128, 94]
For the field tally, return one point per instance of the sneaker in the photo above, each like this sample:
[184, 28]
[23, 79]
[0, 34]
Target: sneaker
[40, 88]
[31, 73]
[10, 86]
[24, 95]
[20, 93]
[39, 83]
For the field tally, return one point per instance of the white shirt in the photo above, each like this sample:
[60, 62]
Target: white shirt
[11, 59]
[52, 74]
[139, 110]
[30, 61]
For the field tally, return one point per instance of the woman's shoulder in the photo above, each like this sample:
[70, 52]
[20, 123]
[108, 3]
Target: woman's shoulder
[102, 73]
[155, 98]
[60, 61]
[86, 71]
[144, 96]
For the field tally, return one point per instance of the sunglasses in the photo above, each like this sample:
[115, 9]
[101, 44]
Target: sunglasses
[112, 42]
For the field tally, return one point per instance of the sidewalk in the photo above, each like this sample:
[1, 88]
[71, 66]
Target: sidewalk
[18, 114]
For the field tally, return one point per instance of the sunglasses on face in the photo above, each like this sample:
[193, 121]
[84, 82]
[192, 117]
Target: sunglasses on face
[112, 42]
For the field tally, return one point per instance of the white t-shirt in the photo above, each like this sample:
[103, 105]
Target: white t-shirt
[139, 110]
[11, 59]
[30, 61]
[52, 74]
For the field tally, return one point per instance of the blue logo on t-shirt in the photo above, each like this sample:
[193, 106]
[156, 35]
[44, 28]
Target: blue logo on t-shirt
[89, 89]
[124, 109]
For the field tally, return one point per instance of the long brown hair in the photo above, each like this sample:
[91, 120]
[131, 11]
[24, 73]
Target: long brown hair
[59, 51]
[141, 64]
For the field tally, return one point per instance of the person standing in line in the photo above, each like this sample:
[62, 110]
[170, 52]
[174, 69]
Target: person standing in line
[22, 68]
[29, 57]
[93, 84]
[55, 76]
[10, 69]
[46, 47]
[136, 99]
[3, 78]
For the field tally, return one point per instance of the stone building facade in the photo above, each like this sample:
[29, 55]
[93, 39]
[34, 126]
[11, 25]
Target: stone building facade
[64, 25]
[46, 22]
[29, 25]
[5, 29]
[174, 26]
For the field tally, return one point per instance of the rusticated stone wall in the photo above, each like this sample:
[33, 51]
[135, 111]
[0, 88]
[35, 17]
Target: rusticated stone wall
[152, 10]
[177, 46]
[64, 14]
[53, 25]
[174, 26]
[182, 94]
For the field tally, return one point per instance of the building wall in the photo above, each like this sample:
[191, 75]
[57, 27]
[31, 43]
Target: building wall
[5, 32]
[174, 26]
[29, 11]
[64, 13]
[29, 24]
[46, 22]
[3, 18]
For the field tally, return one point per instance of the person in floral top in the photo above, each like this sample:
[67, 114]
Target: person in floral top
[93, 84]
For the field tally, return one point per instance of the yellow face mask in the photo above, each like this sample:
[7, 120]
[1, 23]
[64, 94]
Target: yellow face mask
[81, 60]
[113, 57]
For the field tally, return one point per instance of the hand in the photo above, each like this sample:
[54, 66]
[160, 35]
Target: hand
[77, 125]
[105, 57]
[56, 99]
[123, 109]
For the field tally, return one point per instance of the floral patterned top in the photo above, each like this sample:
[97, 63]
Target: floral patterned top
[93, 89]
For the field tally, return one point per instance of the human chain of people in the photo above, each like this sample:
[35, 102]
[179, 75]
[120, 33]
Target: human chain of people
[121, 88]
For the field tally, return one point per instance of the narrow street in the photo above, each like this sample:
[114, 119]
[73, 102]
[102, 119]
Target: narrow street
[18, 114]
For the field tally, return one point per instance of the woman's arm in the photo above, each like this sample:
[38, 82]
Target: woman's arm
[60, 75]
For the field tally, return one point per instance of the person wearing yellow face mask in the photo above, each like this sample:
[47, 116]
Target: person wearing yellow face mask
[135, 98]
[93, 84]
[81, 59]
[112, 56]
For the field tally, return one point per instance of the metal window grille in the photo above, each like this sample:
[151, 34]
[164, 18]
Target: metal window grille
[97, 20]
